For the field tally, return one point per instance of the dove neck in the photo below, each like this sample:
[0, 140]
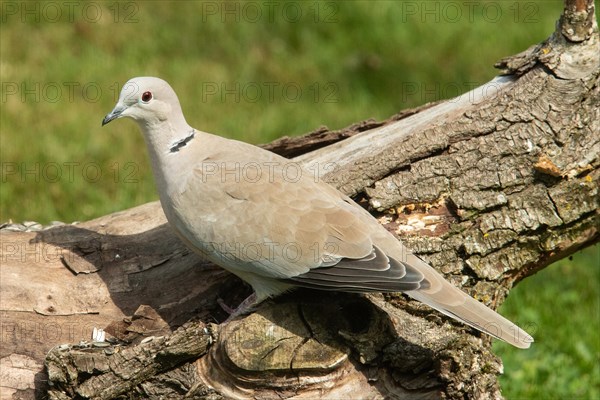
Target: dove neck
[167, 145]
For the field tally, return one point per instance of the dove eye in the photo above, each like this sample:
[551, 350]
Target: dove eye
[146, 97]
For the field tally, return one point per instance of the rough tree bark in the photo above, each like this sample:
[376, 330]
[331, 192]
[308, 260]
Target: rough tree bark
[489, 188]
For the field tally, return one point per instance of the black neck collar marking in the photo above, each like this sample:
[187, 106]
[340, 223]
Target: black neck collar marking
[183, 142]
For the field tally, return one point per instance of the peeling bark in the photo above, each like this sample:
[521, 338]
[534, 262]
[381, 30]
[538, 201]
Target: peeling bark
[489, 188]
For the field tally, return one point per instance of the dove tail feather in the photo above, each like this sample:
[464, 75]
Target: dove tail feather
[451, 301]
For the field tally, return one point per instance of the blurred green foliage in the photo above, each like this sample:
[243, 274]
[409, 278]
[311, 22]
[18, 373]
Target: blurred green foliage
[560, 306]
[256, 71]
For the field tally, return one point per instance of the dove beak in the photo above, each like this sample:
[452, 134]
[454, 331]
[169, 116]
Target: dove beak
[114, 114]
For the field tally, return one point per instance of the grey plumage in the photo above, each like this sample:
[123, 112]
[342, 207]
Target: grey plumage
[265, 219]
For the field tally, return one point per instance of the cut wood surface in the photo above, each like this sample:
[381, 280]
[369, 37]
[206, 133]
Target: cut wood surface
[489, 188]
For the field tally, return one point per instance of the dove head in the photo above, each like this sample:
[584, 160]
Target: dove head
[153, 104]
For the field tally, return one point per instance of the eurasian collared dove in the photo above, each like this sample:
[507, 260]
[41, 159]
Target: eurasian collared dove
[274, 224]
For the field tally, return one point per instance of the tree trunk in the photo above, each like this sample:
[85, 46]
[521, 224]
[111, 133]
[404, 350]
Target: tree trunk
[488, 188]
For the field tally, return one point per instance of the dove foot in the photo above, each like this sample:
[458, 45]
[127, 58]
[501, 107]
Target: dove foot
[244, 308]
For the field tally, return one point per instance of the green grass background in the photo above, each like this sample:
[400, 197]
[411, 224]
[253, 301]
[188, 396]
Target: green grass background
[327, 64]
